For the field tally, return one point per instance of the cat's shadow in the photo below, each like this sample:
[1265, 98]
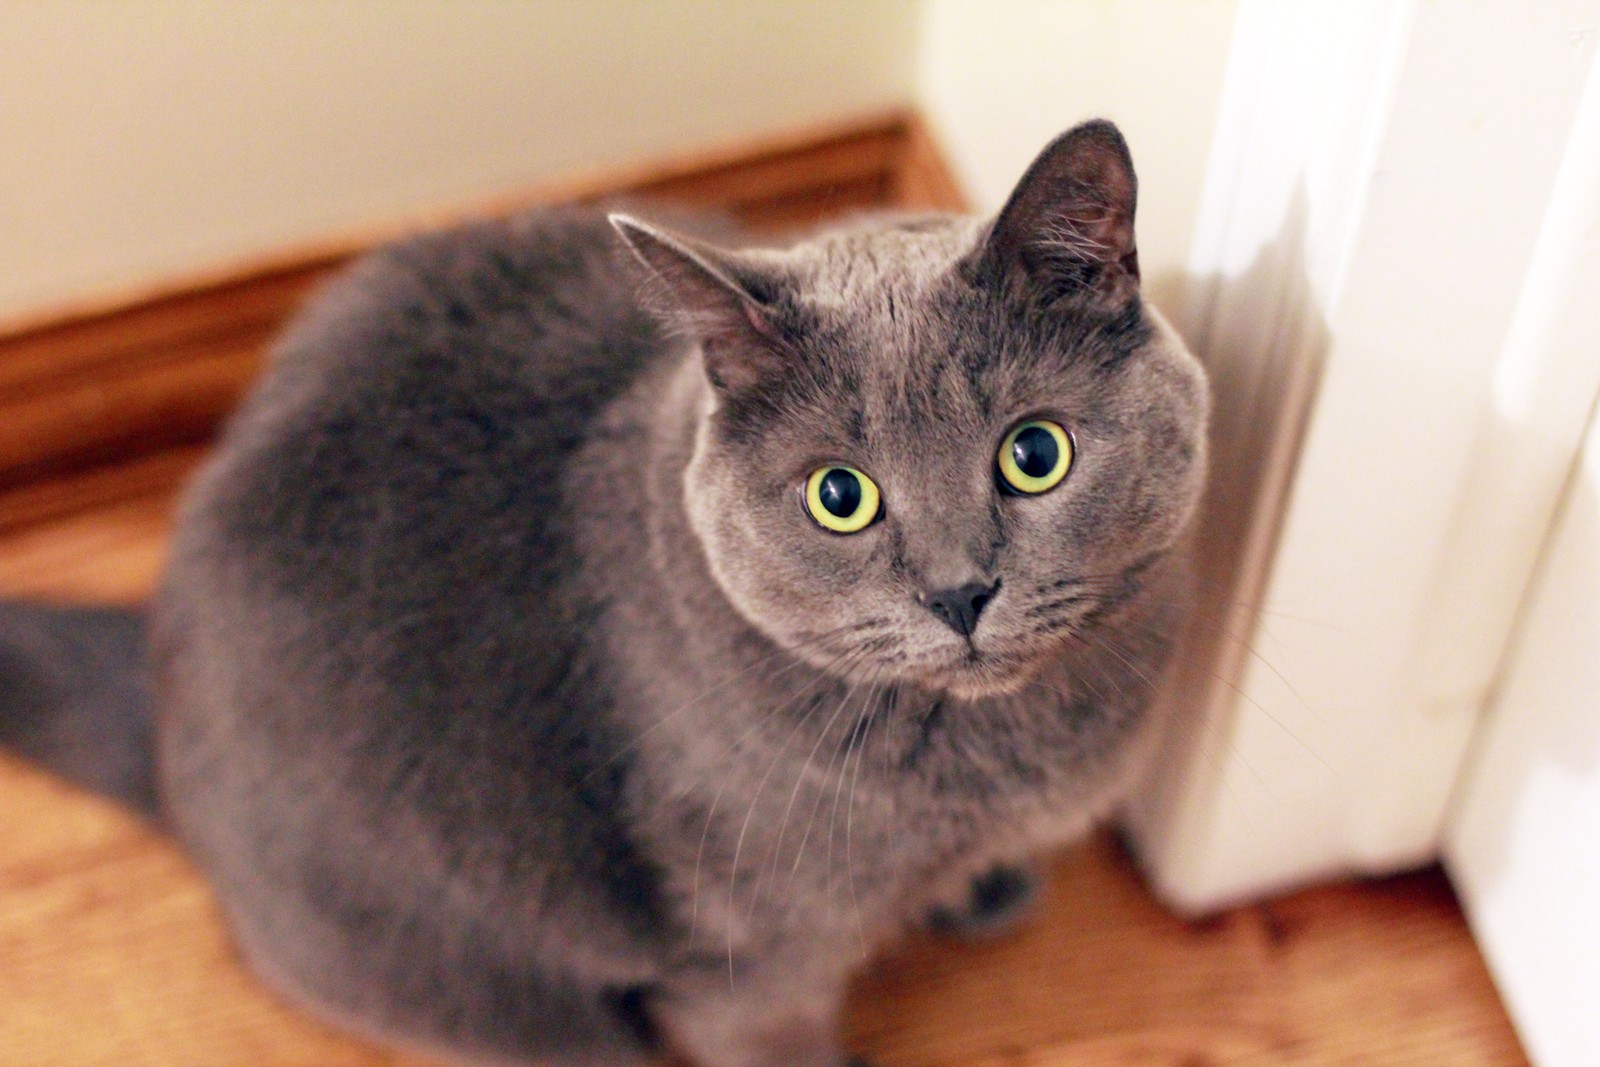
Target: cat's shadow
[1264, 341]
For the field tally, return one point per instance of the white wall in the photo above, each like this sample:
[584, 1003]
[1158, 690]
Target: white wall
[998, 79]
[149, 138]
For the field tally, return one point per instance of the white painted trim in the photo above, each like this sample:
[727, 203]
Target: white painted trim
[1523, 840]
[1252, 317]
[1379, 184]
[1523, 847]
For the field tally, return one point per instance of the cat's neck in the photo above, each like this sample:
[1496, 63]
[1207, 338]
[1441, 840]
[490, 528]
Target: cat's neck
[680, 630]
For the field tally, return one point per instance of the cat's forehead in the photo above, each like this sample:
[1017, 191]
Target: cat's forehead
[867, 262]
[905, 340]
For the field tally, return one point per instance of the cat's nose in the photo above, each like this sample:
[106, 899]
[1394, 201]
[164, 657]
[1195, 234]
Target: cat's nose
[960, 608]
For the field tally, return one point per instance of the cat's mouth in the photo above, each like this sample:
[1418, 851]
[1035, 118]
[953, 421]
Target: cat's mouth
[975, 673]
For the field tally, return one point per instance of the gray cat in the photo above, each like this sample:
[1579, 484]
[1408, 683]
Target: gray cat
[546, 672]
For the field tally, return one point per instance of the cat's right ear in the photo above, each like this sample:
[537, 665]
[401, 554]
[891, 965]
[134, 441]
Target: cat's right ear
[1066, 233]
[722, 299]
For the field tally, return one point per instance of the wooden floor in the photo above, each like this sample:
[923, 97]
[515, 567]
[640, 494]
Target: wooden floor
[110, 947]
[111, 951]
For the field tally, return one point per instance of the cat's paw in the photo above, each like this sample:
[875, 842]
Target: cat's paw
[997, 903]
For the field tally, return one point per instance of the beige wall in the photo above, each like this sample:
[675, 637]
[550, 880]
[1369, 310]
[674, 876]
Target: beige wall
[151, 138]
[1000, 78]
[146, 138]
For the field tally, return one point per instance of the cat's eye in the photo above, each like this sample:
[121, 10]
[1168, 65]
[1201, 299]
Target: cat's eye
[841, 499]
[1035, 456]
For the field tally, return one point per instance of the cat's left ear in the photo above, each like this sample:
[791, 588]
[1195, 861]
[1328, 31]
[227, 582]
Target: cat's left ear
[723, 299]
[1067, 232]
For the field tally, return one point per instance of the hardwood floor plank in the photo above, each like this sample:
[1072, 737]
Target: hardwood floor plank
[112, 951]
[108, 555]
[164, 369]
[98, 912]
[36, 502]
[1353, 973]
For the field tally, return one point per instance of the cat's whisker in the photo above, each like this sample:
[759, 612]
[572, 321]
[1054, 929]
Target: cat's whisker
[1195, 729]
[852, 747]
[849, 821]
[855, 743]
[1130, 572]
[1122, 694]
[760, 721]
[1269, 665]
[1199, 729]
[1266, 663]
[1218, 591]
[744, 828]
[1075, 583]
[1117, 654]
[1247, 647]
[643, 735]
[1279, 723]
[1068, 697]
[891, 703]
[699, 858]
[1276, 721]
[800, 779]
[817, 805]
[1052, 611]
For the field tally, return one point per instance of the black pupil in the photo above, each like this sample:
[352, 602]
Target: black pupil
[1035, 451]
[840, 492]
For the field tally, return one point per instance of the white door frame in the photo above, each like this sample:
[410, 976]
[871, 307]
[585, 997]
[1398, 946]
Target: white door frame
[1389, 448]
[1522, 841]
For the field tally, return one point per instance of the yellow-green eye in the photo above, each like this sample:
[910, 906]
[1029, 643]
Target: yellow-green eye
[841, 499]
[1035, 456]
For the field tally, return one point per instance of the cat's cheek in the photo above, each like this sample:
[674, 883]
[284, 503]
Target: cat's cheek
[1157, 501]
[745, 554]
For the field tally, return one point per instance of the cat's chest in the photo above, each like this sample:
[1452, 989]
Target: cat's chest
[840, 791]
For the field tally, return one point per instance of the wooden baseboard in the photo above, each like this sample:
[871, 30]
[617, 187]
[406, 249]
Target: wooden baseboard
[159, 369]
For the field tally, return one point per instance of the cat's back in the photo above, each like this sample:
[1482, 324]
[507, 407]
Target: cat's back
[485, 323]
[422, 408]
[370, 637]
[383, 541]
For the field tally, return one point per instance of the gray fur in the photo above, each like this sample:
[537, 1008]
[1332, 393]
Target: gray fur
[75, 696]
[516, 708]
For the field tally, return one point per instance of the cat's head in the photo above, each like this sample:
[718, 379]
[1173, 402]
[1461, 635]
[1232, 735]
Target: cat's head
[935, 448]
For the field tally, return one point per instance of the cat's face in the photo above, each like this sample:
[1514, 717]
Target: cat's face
[939, 451]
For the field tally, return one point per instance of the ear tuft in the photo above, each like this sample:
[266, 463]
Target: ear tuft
[720, 298]
[1067, 231]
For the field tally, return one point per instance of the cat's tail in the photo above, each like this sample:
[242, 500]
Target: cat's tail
[75, 696]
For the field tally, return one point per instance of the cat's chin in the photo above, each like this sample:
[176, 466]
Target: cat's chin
[980, 677]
